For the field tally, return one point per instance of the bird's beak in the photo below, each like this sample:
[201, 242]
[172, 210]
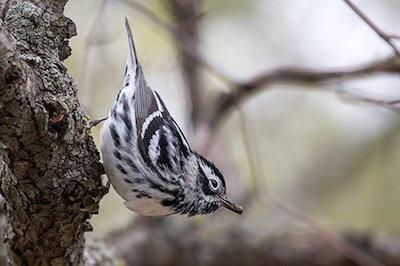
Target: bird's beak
[230, 205]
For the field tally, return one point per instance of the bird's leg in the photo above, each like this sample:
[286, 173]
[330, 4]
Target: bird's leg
[95, 122]
[88, 127]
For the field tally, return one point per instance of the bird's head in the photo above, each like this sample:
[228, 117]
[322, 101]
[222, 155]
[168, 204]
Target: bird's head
[212, 186]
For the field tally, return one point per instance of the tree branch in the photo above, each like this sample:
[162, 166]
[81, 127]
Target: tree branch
[185, 42]
[293, 75]
[194, 243]
[183, 13]
[225, 102]
[350, 95]
[328, 237]
[386, 37]
[50, 181]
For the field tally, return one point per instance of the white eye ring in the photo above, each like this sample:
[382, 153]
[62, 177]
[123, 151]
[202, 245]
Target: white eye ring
[213, 184]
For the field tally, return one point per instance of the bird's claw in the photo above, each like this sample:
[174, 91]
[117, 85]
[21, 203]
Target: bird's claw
[88, 127]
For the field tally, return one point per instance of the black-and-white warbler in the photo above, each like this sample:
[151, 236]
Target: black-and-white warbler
[148, 159]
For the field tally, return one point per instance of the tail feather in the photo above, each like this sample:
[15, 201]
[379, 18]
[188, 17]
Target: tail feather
[132, 62]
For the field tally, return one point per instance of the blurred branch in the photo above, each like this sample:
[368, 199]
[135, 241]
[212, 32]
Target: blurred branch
[252, 159]
[185, 14]
[332, 239]
[88, 44]
[297, 76]
[96, 253]
[185, 42]
[187, 244]
[223, 104]
[137, 239]
[346, 94]
[388, 38]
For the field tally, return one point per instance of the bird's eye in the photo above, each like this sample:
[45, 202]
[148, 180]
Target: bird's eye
[214, 184]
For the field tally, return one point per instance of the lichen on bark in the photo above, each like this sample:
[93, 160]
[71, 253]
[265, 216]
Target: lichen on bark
[50, 179]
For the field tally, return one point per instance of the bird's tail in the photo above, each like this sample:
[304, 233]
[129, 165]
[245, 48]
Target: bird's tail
[132, 62]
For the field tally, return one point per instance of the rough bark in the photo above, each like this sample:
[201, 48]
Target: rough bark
[51, 181]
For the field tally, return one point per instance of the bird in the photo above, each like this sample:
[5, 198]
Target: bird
[147, 158]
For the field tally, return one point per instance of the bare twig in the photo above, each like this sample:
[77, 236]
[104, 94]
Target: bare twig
[386, 37]
[352, 96]
[394, 36]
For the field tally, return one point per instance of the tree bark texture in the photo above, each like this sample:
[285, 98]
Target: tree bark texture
[50, 179]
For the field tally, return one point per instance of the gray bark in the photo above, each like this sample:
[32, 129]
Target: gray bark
[50, 179]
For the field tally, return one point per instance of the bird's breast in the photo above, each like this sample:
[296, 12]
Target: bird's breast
[148, 207]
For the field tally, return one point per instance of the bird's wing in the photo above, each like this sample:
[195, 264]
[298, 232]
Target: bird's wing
[160, 140]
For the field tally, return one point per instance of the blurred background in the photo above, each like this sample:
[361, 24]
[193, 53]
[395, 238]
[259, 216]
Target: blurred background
[315, 164]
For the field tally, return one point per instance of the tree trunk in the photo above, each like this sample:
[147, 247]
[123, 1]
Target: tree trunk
[50, 179]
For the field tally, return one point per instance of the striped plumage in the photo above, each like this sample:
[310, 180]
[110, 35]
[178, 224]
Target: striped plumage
[148, 159]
